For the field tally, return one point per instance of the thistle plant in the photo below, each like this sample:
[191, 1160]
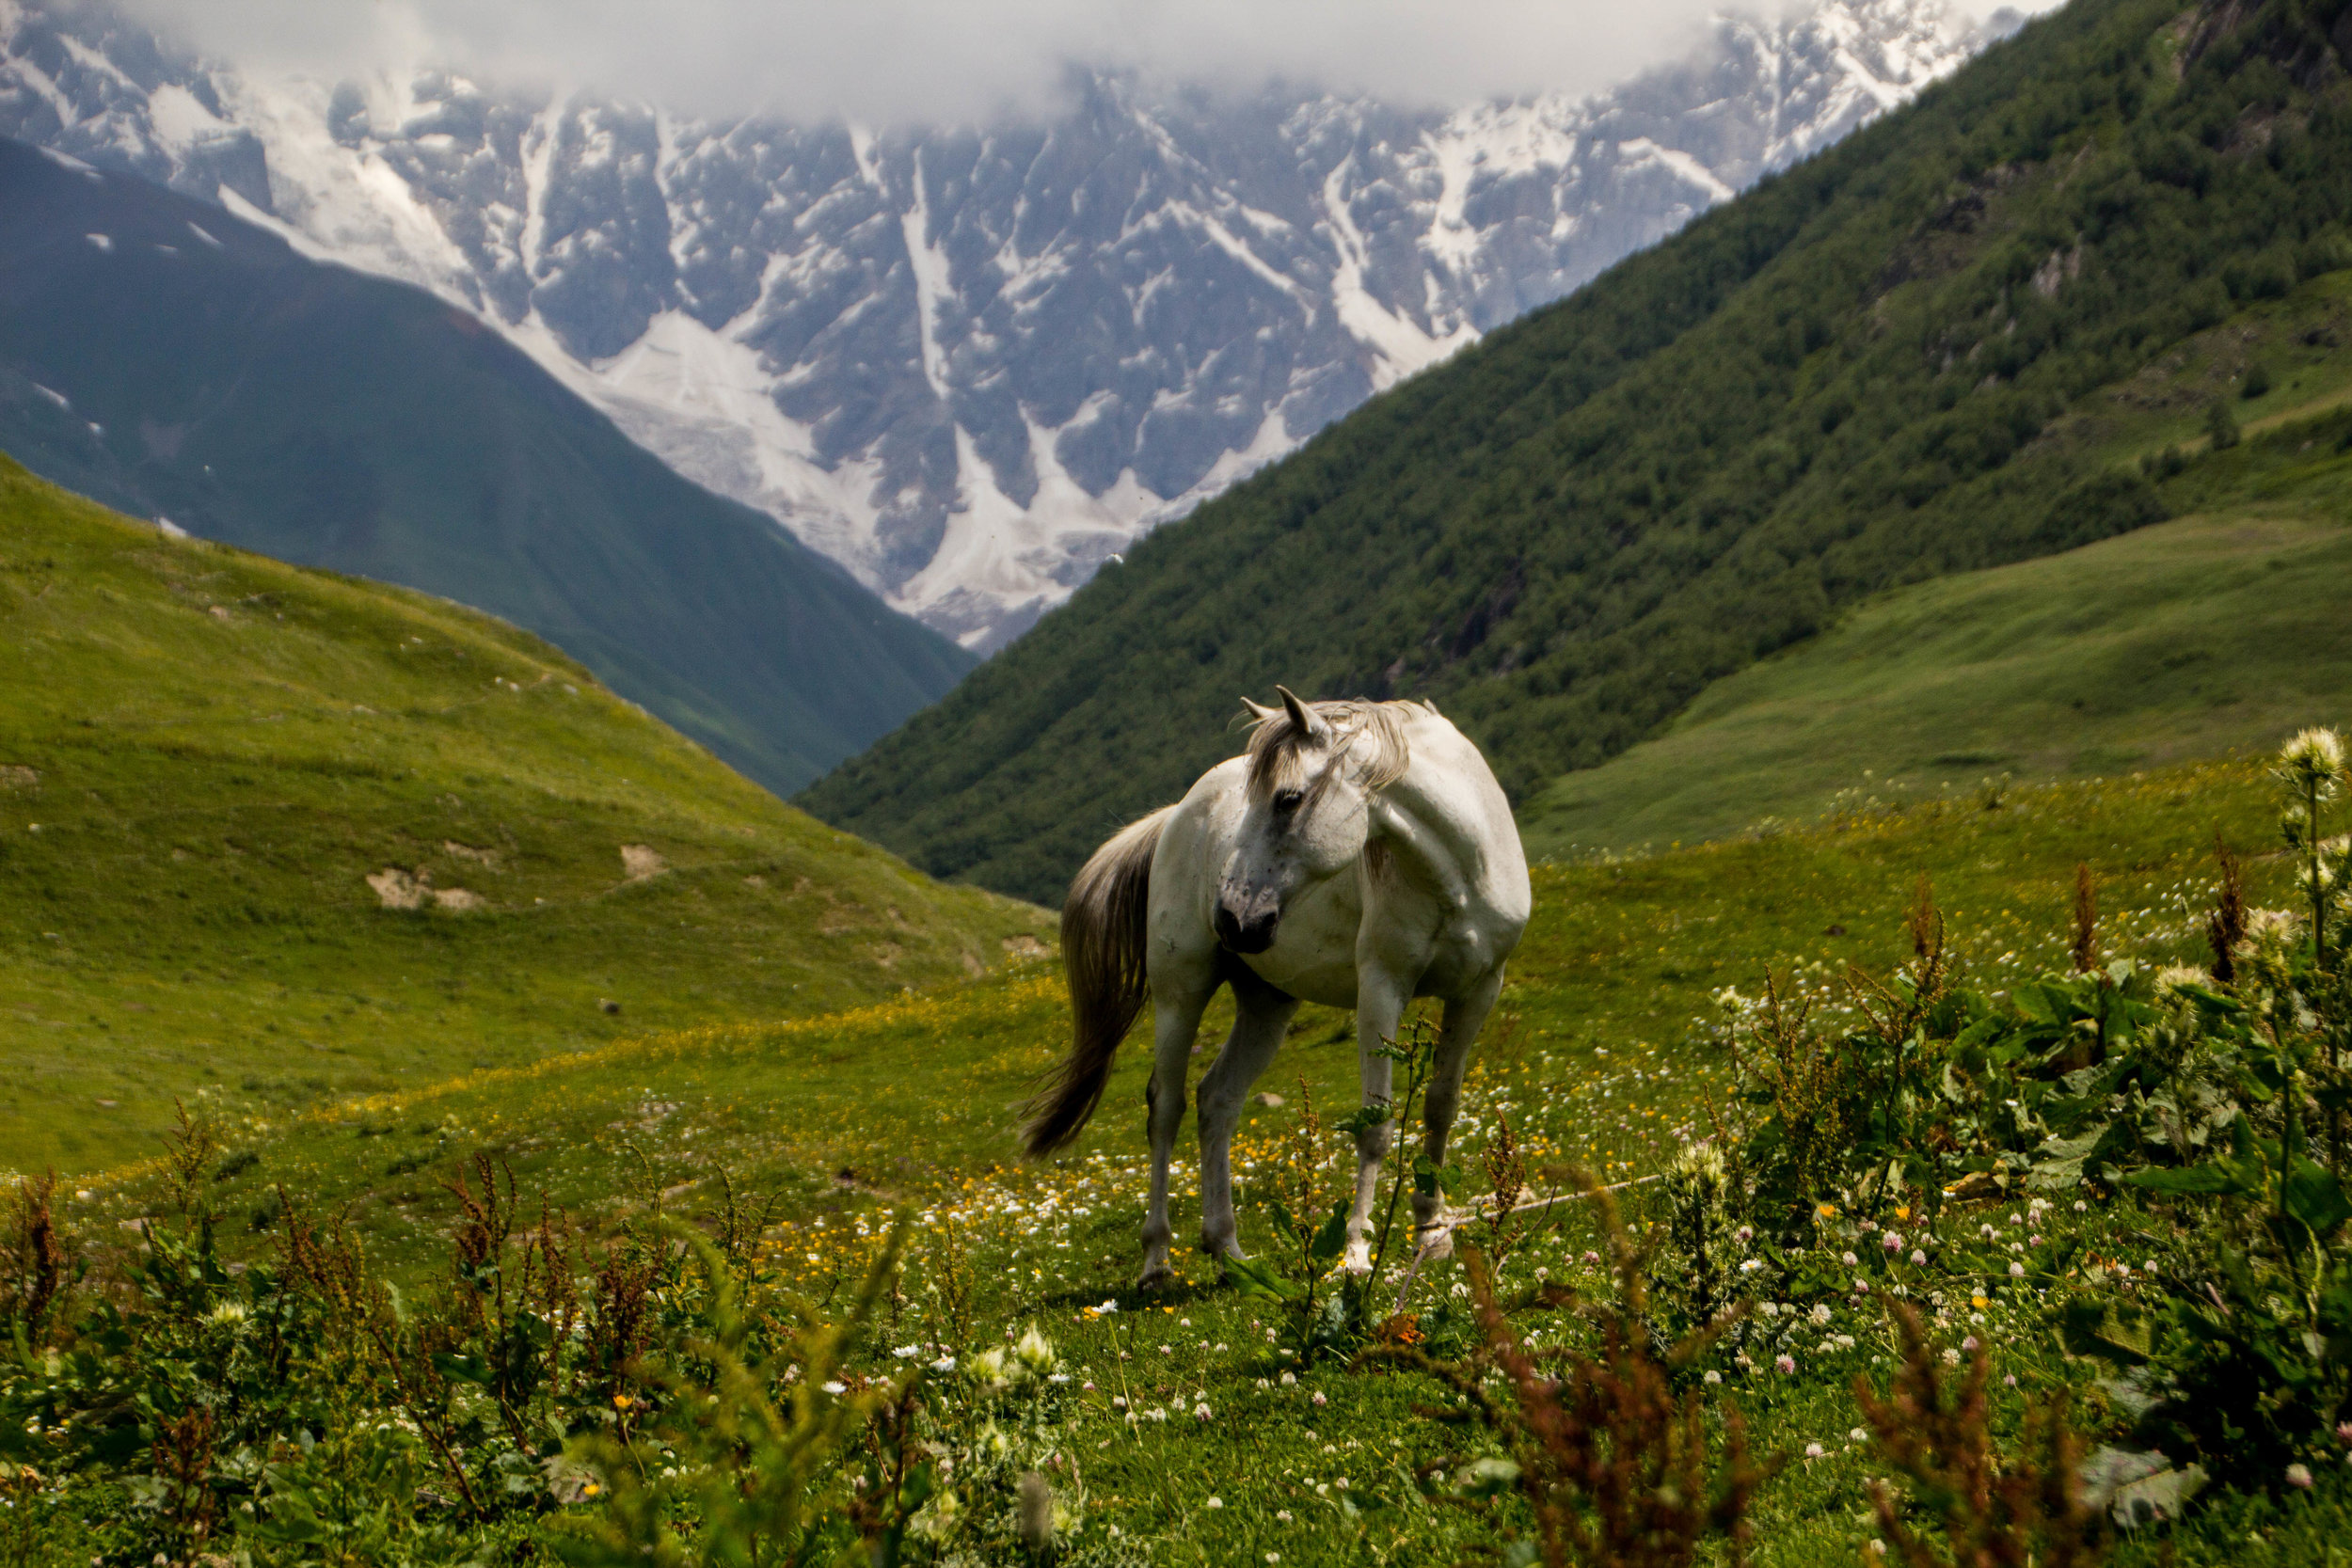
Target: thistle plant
[2310, 767]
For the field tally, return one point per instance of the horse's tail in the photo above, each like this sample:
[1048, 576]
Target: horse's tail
[1104, 923]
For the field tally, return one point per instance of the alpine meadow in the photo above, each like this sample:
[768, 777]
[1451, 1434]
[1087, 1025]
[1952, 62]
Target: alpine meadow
[454, 1118]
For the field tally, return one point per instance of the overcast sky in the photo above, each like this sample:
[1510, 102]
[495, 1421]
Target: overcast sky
[934, 60]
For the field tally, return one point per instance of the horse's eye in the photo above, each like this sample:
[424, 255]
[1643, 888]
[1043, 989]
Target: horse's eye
[1287, 800]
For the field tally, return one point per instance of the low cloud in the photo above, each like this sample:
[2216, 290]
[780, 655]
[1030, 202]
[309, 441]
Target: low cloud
[931, 61]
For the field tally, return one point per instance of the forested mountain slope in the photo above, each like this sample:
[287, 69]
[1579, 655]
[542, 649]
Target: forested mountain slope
[276, 834]
[167, 358]
[1852, 377]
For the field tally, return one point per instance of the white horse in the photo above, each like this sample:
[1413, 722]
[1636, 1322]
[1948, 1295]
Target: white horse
[1360, 855]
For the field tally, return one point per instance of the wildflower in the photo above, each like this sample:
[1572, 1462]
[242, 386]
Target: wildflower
[1814, 1450]
[1969, 1343]
[1786, 1362]
[1891, 1240]
[1951, 1356]
[836, 1389]
[1918, 1259]
[1200, 1412]
[1319, 1399]
[1592, 1257]
[2313, 759]
[1289, 1378]
[1712, 1378]
[1820, 1312]
[1849, 1259]
[907, 1352]
[2081, 1208]
[622, 1402]
[1858, 1436]
[1743, 1236]
[945, 1364]
[1034, 1351]
[2299, 1475]
[1274, 1556]
[1109, 1307]
[1749, 1265]
[228, 1314]
[1213, 1502]
[1282, 1515]
[2017, 1270]
[1979, 1301]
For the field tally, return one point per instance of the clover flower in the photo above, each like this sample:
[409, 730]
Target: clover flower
[1786, 1362]
[2300, 1475]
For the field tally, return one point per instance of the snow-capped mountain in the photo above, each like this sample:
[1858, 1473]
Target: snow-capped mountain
[971, 363]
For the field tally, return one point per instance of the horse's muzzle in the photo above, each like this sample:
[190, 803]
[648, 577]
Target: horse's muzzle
[1246, 935]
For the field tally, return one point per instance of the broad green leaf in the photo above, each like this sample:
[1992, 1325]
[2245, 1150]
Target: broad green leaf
[2314, 1198]
[1331, 1240]
[2212, 1179]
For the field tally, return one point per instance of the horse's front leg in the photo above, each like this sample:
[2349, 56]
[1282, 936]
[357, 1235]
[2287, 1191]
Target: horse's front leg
[1380, 999]
[1465, 1015]
[1178, 1000]
[1262, 1014]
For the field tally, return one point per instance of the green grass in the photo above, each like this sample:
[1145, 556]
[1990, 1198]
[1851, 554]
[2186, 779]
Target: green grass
[1600, 1055]
[2190, 639]
[206, 753]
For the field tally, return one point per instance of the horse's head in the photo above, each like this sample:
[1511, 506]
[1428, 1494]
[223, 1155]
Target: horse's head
[1307, 811]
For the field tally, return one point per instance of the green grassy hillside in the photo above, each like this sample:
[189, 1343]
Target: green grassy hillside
[205, 756]
[916, 1097]
[1876, 368]
[1600, 1053]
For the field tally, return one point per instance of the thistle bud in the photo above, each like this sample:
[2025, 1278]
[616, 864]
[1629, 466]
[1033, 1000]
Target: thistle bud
[2313, 759]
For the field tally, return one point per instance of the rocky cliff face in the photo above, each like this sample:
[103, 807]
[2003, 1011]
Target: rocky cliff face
[972, 363]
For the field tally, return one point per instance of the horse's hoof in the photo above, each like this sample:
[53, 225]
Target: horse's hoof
[1154, 1277]
[1358, 1259]
[1436, 1242]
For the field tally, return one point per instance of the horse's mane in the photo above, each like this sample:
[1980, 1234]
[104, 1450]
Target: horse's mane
[1275, 743]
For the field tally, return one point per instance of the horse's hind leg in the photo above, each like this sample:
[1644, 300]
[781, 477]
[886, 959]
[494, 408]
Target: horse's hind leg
[1178, 998]
[1465, 1015]
[1262, 1014]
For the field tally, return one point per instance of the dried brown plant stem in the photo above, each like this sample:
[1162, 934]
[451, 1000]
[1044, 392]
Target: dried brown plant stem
[2024, 1511]
[2226, 927]
[2085, 945]
[1615, 1465]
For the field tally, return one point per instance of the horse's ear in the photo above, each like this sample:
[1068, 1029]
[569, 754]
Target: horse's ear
[1259, 712]
[1306, 720]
